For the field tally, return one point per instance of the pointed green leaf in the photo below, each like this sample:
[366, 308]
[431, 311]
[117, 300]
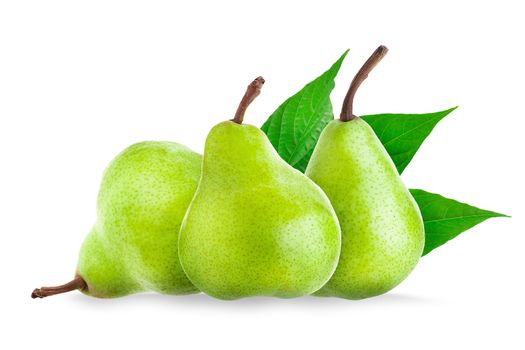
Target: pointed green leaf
[447, 218]
[402, 134]
[293, 129]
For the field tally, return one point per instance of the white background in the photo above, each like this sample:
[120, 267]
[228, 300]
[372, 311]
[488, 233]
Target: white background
[80, 81]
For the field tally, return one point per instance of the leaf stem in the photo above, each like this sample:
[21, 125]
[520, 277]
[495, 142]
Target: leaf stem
[77, 283]
[253, 90]
[347, 112]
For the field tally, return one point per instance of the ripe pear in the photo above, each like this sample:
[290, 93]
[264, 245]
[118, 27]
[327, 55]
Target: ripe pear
[143, 197]
[256, 226]
[382, 228]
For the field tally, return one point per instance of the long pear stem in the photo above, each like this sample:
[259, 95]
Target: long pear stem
[347, 112]
[253, 90]
[77, 283]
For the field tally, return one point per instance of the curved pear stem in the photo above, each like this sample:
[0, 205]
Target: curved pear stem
[77, 283]
[253, 90]
[347, 112]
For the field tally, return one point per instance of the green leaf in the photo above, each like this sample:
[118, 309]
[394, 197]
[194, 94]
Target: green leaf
[294, 128]
[403, 134]
[447, 218]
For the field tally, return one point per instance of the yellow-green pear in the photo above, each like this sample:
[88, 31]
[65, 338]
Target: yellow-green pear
[256, 226]
[143, 197]
[382, 228]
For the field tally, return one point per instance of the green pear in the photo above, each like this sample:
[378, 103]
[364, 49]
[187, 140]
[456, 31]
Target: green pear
[143, 197]
[382, 228]
[256, 226]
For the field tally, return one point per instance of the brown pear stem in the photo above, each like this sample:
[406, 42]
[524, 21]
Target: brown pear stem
[253, 90]
[347, 112]
[77, 283]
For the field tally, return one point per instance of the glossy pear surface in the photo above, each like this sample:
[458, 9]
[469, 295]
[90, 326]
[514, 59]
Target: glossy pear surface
[143, 197]
[382, 229]
[256, 226]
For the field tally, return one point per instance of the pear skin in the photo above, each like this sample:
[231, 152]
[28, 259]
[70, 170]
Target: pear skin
[256, 226]
[382, 229]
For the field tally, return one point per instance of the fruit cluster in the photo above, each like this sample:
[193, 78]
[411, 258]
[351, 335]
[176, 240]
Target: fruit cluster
[239, 221]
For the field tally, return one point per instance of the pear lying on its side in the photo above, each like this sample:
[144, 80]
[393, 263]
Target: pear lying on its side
[256, 226]
[132, 248]
[382, 228]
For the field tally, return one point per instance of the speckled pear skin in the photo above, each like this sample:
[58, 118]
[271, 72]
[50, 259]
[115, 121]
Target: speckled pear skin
[143, 197]
[256, 226]
[382, 228]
